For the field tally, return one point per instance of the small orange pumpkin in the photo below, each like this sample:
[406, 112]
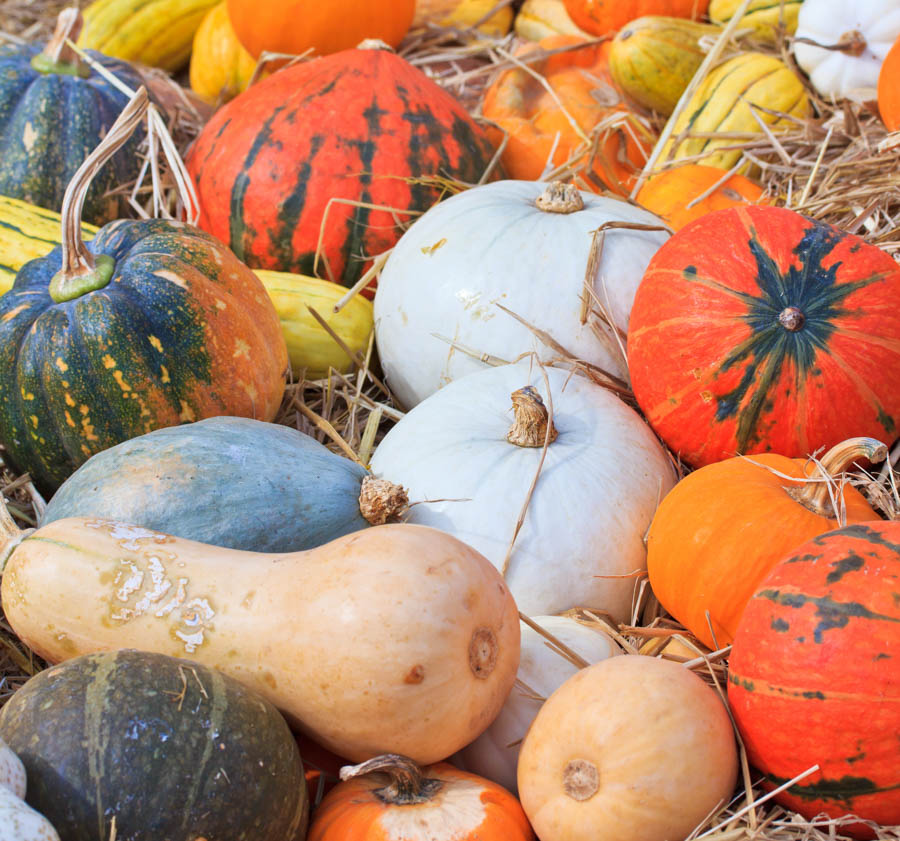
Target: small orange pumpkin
[889, 88]
[601, 16]
[390, 798]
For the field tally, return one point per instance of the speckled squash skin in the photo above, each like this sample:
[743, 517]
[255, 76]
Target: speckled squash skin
[171, 748]
[183, 331]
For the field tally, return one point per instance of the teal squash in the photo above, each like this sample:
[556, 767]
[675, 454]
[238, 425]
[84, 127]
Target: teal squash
[138, 746]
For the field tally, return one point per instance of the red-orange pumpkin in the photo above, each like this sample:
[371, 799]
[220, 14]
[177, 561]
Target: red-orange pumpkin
[601, 16]
[756, 329]
[814, 675]
[889, 88]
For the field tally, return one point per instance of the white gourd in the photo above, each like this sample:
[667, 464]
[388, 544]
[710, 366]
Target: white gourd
[12, 771]
[18, 821]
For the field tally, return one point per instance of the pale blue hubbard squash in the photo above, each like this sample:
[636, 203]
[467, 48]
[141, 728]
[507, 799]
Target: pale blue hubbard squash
[232, 482]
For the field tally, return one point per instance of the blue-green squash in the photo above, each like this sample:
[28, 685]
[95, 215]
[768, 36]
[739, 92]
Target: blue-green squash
[145, 747]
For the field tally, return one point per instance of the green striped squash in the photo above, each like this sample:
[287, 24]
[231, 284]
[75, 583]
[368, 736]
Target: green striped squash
[763, 16]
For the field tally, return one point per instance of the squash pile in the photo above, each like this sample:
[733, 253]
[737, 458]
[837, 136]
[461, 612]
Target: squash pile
[611, 533]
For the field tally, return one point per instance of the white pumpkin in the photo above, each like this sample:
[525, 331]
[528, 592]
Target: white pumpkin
[12, 771]
[582, 538]
[18, 821]
[493, 245]
[869, 27]
[495, 753]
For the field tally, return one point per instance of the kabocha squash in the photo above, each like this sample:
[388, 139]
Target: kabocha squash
[816, 653]
[722, 528]
[423, 633]
[538, 19]
[391, 797]
[517, 244]
[19, 822]
[599, 17]
[340, 134]
[763, 16]
[758, 330]
[219, 757]
[220, 66]
[630, 749]
[462, 14]
[54, 109]
[470, 463]
[889, 88]
[152, 324]
[232, 482]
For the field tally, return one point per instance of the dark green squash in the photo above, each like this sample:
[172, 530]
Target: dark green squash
[169, 749]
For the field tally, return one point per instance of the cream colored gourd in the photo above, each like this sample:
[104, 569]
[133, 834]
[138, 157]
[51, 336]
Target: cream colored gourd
[867, 30]
[12, 771]
[392, 639]
[18, 821]
[632, 748]
[524, 245]
[539, 19]
[581, 542]
[542, 669]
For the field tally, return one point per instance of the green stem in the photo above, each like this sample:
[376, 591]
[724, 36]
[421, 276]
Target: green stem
[57, 56]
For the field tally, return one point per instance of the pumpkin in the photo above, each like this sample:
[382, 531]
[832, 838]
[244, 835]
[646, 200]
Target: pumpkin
[542, 669]
[889, 89]
[763, 16]
[391, 797]
[221, 759]
[539, 122]
[653, 59]
[756, 329]
[272, 25]
[631, 748]
[469, 464]
[669, 193]
[815, 653]
[220, 67]
[431, 670]
[864, 32]
[522, 245]
[351, 126]
[722, 103]
[54, 109]
[19, 822]
[537, 19]
[462, 14]
[12, 771]
[233, 482]
[152, 324]
[705, 563]
[598, 17]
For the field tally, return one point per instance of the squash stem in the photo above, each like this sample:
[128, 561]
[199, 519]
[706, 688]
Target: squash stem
[407, 786]
[530, 428]
[559, 198]
[57, 56]
[81, 271]
[381, 501]
[10, 535]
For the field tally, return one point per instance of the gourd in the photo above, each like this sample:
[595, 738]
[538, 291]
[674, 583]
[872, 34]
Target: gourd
[423, 633]
[55, 110]
[538, 19]
[598, 17]
[889, 89]
[469, 463]
[152, 324]
[158, 33]
[232, 482]
[841, 45]
[463, 14]
[756, 329]
[522, 245]
[12, 772]
[722, 528]
[813, 654]
[19, 822]
[631, 748]
[391, 796]
[103, 735]
[763, 16]
[334, 136]
[220, 67]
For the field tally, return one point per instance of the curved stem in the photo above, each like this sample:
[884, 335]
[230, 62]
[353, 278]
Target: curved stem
[408, 784]
[852, 42]
[530, 427]
[57, 56]
[10, 535]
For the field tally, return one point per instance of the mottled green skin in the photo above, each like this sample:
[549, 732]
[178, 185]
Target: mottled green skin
[49, 123]
[171, 749]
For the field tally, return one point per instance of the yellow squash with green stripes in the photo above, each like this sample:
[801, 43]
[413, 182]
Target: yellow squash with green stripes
[721, 111]
[763, 16]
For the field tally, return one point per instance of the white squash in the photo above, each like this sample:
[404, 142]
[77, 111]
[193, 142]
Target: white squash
[18, 821]
[493, 245]
[12, 771]
[542, 669]
[867, 27]
[582, 538]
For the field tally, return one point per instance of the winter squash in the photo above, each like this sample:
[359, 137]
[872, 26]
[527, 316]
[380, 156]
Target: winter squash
[542, 669]
[705, 563]
[522, 245]
[813, 654]
[462, 14]
[469, 462]
[220, 67]
[152, 324]
[272, 25]
[763, 16]
[56, 109]
[889, 89]
[431, 671]
[669, 193]
[598, 17]
[191, 730]
[233, 482]
[841, 45]
[19, 822]
[756, 329]
[350, 127]
[541, 134]
[390, 796]
[12, 771]
[630, 749]
[537, 19]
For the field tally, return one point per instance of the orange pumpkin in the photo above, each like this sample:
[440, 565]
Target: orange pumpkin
[294, 26]
[390, 798]
[889, 88]
[669, 193]
[601, 16]
[608, 134]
